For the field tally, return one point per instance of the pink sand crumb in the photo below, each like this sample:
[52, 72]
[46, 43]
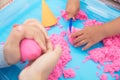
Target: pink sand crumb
[97, 73]
[99, 66]
[2, 43]
[58, 18]
[69, 73]
[60, 26]
[104, 77]
[86, 59]
[63, 33]
[117, 77]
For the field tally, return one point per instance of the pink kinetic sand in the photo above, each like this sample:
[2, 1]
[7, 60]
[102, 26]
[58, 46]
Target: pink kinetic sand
[69, 73]
[64, 59]
[90, 22]
[109, 54]
[81, 15]
[29, 50]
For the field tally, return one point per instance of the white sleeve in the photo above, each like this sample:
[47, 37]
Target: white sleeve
[3, 62]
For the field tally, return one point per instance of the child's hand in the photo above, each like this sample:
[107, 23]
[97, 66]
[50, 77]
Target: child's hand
[73, 7]
[41, 68]
[88, 36]
[33, 30]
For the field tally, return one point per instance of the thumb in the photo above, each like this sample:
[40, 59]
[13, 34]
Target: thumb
[15, 36]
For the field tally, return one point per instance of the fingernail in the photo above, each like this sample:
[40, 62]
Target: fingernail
[15, 25]
[19, 28]
[83, 49]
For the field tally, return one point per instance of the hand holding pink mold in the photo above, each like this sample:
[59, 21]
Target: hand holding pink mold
[30, 51]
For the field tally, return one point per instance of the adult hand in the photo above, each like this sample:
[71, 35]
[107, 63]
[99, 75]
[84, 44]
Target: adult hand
[31, 29]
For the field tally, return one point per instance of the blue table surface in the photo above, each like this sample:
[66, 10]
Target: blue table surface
[21, 10]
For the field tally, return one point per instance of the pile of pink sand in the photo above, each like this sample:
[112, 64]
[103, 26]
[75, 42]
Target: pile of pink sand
[90, 22]
[65, 57]
[69, 73]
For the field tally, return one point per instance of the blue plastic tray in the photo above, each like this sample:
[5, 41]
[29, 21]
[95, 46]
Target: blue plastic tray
[20, 10]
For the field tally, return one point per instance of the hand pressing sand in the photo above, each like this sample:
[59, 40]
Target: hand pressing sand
[92, 35]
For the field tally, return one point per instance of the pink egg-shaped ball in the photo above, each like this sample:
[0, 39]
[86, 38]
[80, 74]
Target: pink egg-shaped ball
[30, 50]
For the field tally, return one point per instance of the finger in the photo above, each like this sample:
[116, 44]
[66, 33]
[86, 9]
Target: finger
[41, 34]
[12, 46]
[32, 32]
[29, 32]
[78, 39]
[19, 27]
[15, 36]
[38, 25]
[40, 40]
[74, 18]
[78, 33]
[87, 46]
[35, 22]
[81, 43]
